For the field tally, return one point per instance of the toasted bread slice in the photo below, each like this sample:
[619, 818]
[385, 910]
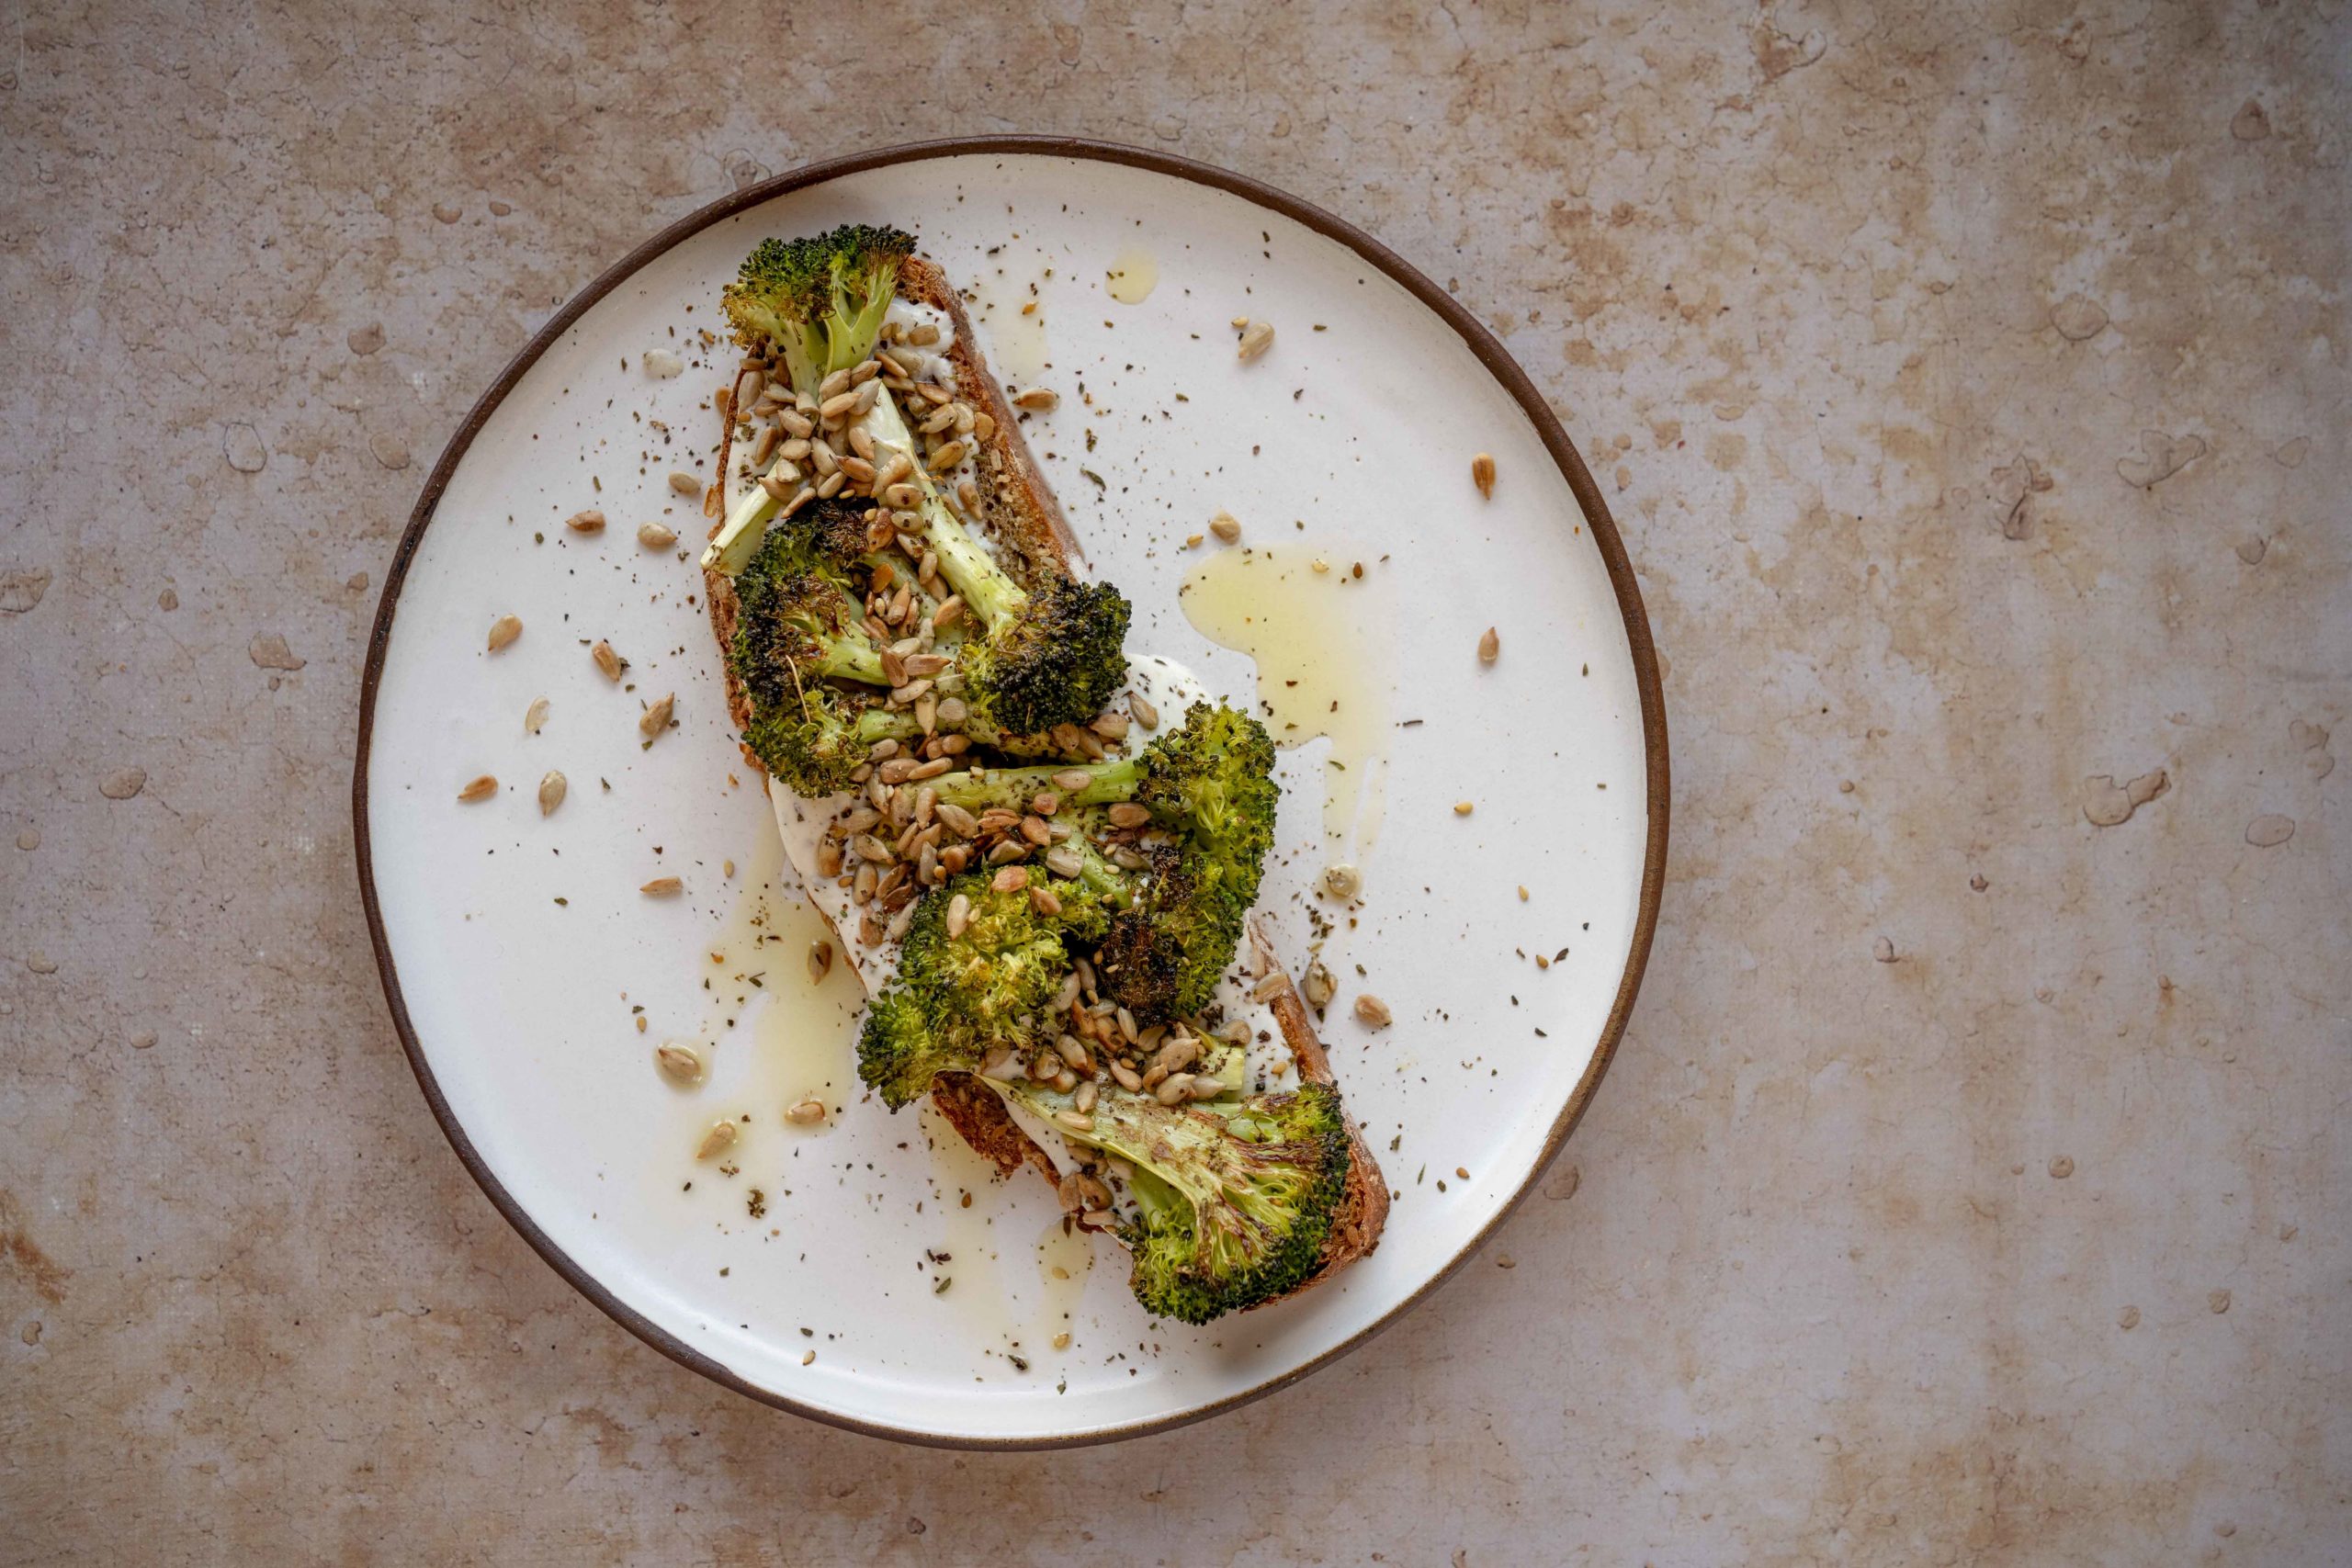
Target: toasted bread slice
[1033, 536]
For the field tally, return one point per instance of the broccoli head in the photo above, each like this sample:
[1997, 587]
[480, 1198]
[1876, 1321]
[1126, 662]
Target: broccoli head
[1234, 1201]
[1060, 658]
[1210, 785]
[797, 635]
[821, 300]
[977, 973]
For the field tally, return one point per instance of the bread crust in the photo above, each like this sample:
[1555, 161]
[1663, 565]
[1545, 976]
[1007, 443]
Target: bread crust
[1033, 536]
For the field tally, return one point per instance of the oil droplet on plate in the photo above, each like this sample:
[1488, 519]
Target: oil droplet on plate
[1320, 673]
[1132, 276]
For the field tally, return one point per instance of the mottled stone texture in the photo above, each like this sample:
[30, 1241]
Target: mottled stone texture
[1972, 384]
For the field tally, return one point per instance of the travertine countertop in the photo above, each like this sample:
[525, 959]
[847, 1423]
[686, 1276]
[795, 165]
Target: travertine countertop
[1971, 383]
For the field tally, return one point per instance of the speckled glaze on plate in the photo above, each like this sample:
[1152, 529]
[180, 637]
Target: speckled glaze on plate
[507, 941]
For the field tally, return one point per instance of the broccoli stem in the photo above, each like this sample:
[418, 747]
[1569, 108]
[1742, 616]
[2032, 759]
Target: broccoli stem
[987, 592]
[732, 547]
[1013, 788]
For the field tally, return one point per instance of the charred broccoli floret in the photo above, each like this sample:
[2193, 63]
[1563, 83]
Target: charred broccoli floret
[1036, 656]
[797, 637]
[977, 973]
[821, 301]
[1210, 785]
[1234, 1201]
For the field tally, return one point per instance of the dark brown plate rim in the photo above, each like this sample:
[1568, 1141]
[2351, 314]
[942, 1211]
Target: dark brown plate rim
[1491, 354]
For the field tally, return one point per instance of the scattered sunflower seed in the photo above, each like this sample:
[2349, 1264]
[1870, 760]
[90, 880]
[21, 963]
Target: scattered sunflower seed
[804, 1114]
[1227, 527]
[1342, 880]
[1463, 808]
[663, 888]
[655, 719]
[481, 788]
[611, 663]
[589, 522]
[1256, 338]
[1371, 1010]
[504, 630]
[551, 790]
[1490, 647]
[820, 959]
[721, 1136]
[1482, 474]
[655, 537]
[535, 717]
[681, 1062]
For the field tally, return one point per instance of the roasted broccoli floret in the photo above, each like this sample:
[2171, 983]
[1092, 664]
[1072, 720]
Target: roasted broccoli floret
[1210, 785]
[1234, 1201]
[977, 973]
[821, 301]
[1036, 656]
[797, 634]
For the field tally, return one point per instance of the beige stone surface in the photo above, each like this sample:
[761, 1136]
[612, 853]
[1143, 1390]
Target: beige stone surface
[1971, 381]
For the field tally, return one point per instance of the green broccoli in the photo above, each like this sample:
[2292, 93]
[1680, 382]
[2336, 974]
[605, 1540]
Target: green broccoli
[973, 981]
[1234, 1201]
[1210, 784]
[1041, 655]
[821, 301]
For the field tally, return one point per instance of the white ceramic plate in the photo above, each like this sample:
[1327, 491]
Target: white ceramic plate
[516, 948]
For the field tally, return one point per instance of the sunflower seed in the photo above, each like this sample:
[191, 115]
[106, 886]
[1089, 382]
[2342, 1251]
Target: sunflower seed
[551, 790]
[1127, 814]
[1371, 1010]
[870, 848]
[830, 485]
[806, 1113]
[1482, 474]
[959, 821]
[655, 719]
[821, 960]
[681, 1061]
[481, 788]
[833, 384]
[1227, 527]
[1317, 987]
[655, 537]
[1173, 1089]
[592, 521]
[798, 425]
[947, 457]
[1011, 879]
[1342, 880]
[837, 407]
[504, 630]
[1044, 901]
[611, 663]
[861, 441]
[663, 888]
[983, 426]
[1126, 1076]
[949, 612]
[1204, 1088]
[1144, 714]
[1038, 400]
[1075, 1120]
[1256, 338]
[1084, 1101]
[867, 396]
[1463, 808]
[721, 1136]
[535, 717]
[1490, 647]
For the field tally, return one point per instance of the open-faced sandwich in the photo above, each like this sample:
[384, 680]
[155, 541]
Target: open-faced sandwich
[1040, 855]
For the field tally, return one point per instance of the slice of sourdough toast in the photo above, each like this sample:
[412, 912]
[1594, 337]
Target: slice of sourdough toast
[1033, 538]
